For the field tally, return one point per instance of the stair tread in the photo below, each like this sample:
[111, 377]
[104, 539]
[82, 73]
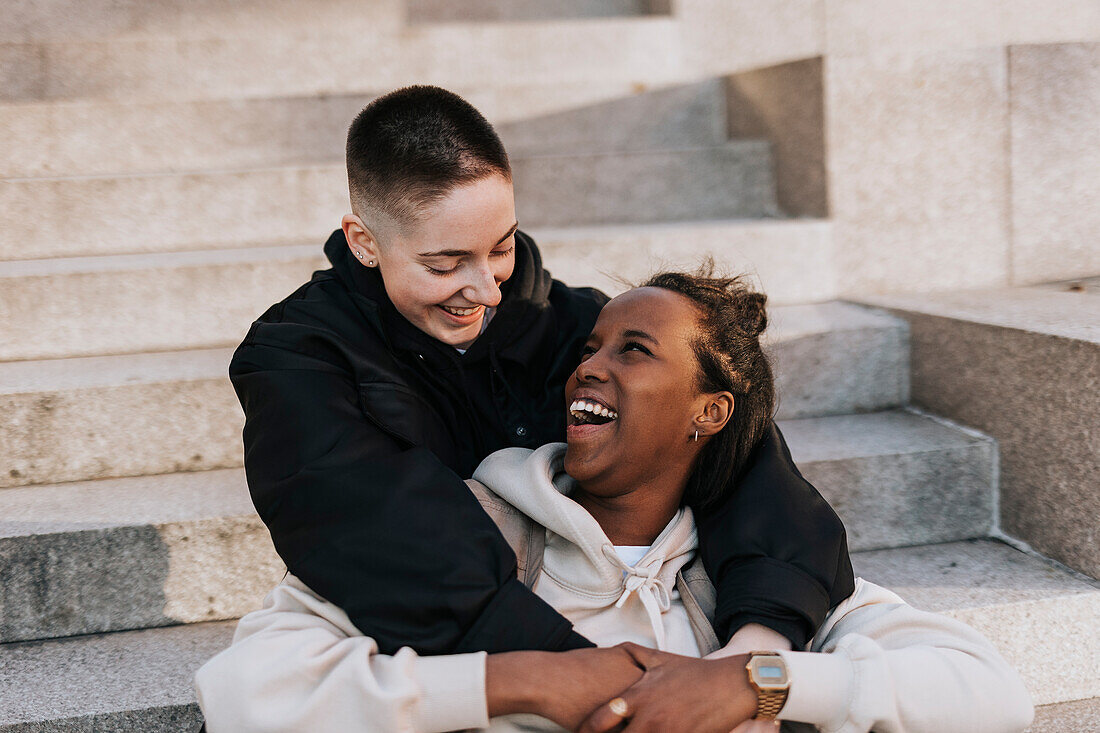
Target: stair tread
[106, 673]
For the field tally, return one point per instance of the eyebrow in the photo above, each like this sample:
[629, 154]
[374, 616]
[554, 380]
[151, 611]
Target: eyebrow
[634, 334]
[465, 252]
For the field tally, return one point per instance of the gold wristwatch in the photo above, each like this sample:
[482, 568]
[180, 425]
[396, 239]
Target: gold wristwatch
[768, 676]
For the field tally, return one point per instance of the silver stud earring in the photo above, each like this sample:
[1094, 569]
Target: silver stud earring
[696, 436]
[359, 255]
[370, 263]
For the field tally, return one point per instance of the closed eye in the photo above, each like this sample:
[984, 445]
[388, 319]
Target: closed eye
[635, 346]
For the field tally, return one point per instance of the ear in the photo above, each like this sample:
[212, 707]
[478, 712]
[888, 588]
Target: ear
[714, 413]
[360, 239]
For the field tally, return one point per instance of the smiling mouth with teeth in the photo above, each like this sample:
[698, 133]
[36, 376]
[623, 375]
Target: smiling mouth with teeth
[461, 312]
[586, 412]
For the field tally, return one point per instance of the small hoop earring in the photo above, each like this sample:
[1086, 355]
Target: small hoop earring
[696, 436]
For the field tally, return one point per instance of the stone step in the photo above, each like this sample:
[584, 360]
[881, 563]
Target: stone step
[731, 181]
[1021, 365]
[495, 11]
[898, 478]
[109, 683]
[108, 416]
[99, 20]
[96, 417]
[1080, 716]
[109, 138]
[131, 553]
[310, 57]
[1041, 618]
[208, 210]
[141, 680]
[115, 304]
[187, 547]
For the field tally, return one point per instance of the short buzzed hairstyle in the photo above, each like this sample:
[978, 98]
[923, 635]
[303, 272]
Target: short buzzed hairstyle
[411, 147]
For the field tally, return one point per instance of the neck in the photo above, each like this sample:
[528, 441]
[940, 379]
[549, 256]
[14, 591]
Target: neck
[635, 518]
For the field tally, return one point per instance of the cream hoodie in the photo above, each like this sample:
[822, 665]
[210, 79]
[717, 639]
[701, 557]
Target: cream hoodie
[299, 664]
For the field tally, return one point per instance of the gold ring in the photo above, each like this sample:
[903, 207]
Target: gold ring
[619, 707]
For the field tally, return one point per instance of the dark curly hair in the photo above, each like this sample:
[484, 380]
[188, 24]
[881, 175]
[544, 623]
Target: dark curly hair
[731, 318]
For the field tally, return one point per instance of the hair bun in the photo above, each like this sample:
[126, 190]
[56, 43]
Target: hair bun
[754, 314]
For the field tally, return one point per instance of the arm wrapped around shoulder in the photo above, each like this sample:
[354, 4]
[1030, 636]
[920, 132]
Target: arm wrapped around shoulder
[775, 550]
[300, 664]
[880, 664]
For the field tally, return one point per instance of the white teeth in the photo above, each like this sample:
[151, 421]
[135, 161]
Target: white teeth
[596, 409]
[461, 311]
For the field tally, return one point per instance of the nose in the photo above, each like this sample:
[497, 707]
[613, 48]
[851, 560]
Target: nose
[592, 369]
[482, 287]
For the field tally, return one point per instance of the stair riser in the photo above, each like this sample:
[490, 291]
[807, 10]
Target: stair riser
[98, 139]
[718, 183]
[896, 501]
[195, 211]
[86, 582]
[332, 61]
[488, 11]
[65, 21]
[125, 430]
[157, 309]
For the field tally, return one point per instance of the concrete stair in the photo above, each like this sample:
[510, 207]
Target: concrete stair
[141, 680]
[199, 298]
[187, 547]
[96, 417]
[172, 169]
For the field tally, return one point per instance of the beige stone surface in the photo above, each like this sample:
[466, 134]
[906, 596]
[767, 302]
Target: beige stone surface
[1039, 617]
[132, 303]
[335, 60]
[784, 105]
[75, 217]
[791, 260]
[99, 417]
[918, 170]
[97, 138]
[182, 547]
[1078, 715]
[720, 37]
[859, 27]
[1055, 93]
[1022, 365]
[61, 20]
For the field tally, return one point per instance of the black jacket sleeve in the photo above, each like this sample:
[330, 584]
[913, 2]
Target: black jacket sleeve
[775, 549]
[385, 531]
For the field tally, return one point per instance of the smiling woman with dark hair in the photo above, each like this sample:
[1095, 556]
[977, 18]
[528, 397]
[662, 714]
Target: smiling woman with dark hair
[661, 412]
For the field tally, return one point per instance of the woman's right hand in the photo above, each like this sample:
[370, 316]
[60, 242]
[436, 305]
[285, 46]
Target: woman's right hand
[564, 687]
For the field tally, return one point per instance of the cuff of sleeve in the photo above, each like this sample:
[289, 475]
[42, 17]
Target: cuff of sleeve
[821, 688]
[773, 593]
[518, 620]
[453, 688]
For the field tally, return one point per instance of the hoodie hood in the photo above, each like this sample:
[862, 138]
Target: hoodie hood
[579, 556]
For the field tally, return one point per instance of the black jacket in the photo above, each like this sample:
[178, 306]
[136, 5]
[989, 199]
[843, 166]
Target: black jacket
[359, 429]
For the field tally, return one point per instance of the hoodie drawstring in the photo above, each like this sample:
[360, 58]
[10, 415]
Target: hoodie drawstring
[650, 589]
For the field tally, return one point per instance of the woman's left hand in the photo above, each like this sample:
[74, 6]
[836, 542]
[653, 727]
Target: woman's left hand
[680, 693]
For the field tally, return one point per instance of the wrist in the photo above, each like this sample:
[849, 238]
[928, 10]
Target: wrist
[742, 700]
[512, 682]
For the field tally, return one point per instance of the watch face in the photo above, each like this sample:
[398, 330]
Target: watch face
[769, 673]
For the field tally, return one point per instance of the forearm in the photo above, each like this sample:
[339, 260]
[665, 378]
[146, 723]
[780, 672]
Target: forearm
[774, 549]
[887, 666]
[299, 664]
